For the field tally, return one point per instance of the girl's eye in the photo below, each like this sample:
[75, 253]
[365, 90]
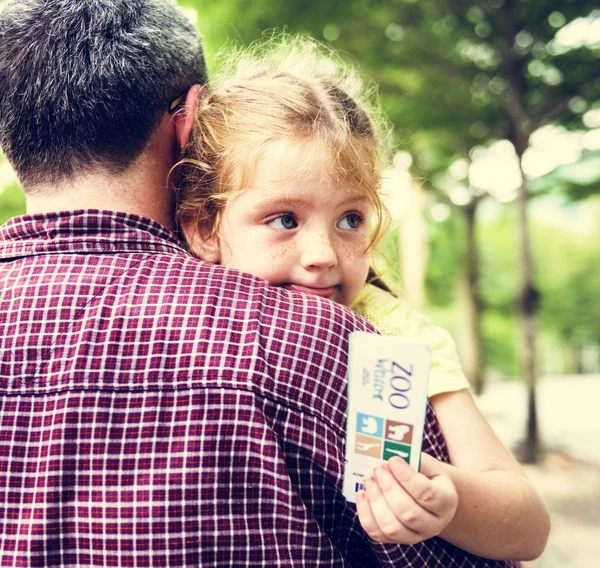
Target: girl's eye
[350, 221]
[286, 222]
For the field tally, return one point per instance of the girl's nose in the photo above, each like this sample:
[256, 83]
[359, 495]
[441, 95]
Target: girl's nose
[318, 252]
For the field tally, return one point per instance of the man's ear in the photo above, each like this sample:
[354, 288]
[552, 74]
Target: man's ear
[202, 240]
[184, 118]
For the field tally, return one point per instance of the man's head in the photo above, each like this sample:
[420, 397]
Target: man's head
[83, 84]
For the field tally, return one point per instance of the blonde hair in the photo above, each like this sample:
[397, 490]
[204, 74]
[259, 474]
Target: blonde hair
[287, 88]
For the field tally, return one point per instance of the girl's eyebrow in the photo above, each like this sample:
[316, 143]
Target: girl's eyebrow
[355, 199]
[279, 201]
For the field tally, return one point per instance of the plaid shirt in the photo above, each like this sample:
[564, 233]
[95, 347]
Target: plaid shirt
[156, 410]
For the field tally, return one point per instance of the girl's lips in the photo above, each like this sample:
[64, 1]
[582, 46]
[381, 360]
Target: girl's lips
[323, 292]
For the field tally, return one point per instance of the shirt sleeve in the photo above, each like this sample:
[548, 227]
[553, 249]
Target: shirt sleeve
[393, 316]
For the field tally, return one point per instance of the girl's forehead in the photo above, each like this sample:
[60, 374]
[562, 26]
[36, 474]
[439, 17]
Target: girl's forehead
[298, 164]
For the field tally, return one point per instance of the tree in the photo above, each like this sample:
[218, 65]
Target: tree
[455, 74]
[12, 199]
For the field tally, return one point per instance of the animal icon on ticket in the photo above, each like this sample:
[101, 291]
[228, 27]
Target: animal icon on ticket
[392, 449]
[398, 431]
[368, 446]
[365, 446]
[370, 425]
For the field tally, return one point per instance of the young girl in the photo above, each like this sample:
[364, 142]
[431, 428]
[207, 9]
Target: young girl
[281, 180]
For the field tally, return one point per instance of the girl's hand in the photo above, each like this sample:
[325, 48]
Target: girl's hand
[400, 505]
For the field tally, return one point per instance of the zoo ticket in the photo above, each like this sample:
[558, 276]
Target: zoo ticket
[387, 401]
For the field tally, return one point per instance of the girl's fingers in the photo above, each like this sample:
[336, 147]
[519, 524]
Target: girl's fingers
[402, 506]
[418, 486]
[367, 519]
[432, 489]
[389, 525]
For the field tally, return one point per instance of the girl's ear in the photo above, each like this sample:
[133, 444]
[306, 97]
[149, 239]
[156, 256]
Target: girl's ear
[202, 240]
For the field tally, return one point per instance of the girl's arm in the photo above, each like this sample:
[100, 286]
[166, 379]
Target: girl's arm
[499, 514]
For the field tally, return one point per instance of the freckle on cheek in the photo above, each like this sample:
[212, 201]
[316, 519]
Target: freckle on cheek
[357, 253]
[280, 251]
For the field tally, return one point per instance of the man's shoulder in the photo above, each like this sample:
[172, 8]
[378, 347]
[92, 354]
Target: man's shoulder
[185, 279]
[288, 345]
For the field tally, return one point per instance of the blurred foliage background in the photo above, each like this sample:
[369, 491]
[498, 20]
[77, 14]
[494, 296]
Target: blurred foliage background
[495, 186]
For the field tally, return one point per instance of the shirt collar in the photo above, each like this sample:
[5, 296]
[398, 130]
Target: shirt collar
[84, 231]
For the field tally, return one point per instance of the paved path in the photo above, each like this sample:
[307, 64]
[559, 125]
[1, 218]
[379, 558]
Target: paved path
[569, 476]
[568, 410]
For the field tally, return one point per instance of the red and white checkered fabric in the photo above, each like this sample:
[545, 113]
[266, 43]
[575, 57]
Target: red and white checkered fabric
[159, 411]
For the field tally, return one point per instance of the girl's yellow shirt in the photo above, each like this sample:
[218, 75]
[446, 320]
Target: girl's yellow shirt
[393, 316]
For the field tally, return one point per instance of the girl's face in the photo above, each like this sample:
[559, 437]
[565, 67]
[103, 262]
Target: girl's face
[307, 234]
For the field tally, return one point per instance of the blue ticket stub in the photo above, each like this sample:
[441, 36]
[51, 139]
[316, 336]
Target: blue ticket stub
[387, 401]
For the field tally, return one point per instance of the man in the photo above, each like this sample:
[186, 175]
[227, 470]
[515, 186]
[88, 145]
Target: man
[154, 410]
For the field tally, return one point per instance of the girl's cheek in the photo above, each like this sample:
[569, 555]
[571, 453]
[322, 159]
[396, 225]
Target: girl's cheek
[359, 250]
[280, 251]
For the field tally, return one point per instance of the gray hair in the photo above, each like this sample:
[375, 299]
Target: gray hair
[84, 83]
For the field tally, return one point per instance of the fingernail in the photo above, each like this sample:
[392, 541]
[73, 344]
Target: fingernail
[409, 517]
[368, 481]
[381, 471]
[428, 495]
[397, 464]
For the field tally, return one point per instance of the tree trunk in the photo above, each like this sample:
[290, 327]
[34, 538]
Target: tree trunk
[572, 359]
[521, 128]
[472, 356]
[413, 243]
[529, 301]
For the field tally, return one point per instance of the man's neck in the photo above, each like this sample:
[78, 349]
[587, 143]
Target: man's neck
[141, 191]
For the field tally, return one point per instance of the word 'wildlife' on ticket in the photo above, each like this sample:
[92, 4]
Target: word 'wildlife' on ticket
[387, 401]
